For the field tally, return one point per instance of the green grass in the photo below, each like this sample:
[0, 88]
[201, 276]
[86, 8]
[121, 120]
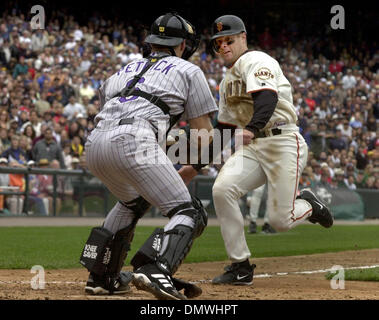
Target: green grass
[371, 274]
[60, 247]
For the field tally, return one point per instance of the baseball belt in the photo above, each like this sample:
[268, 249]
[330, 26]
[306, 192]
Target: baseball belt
[264, 134]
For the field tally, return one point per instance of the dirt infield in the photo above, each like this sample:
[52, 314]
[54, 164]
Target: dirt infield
[295, 278]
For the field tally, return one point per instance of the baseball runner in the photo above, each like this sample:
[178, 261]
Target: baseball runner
[256, 97]
[124, 152]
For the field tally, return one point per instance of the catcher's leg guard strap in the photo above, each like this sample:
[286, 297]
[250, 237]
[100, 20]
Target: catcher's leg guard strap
[119, 250]
[149, 251]
[139, 206]
[181, 237]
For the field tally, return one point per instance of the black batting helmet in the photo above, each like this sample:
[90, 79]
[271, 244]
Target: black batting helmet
[226, 26]
[170, 30]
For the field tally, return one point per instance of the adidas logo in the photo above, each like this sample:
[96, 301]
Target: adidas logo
[163, 266]
[163, 279]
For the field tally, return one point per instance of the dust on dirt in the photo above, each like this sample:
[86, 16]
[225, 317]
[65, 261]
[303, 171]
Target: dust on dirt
[275, 278]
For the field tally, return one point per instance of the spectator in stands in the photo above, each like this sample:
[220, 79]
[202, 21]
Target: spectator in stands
[340, 176]
[4, 182]
[317, 139]
[330, 82]
[326, 178]
[349, 181]
[28, 131]
[67, 156]
[4, 141]
[42, 104]
[47, 148]
[36, 202]
[76, 147]
[20, 68]
[338, 142]
[73, 108]
[362, 157]
[346, 130]
[15, 203]
[348, 81]
[14, 152]
[26, 146]
[4, 119]
[45, 185]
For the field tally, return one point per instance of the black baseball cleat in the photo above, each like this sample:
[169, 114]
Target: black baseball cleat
[252, 227]
[238, 273]
[151, 279]
[97, 285]
[267, 228]
[320, 213]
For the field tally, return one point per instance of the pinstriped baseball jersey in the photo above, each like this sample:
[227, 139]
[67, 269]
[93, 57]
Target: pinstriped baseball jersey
[179, 83]
[255, 71]
[128, 158]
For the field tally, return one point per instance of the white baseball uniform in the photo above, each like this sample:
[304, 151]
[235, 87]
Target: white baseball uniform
[276, 159]
[127, 158]
[255, 203]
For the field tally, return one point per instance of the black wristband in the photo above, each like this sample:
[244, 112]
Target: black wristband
[199, 166]
[253, 130]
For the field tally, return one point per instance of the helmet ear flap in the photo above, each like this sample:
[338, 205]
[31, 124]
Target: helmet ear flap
[192, 39]
[215, 47]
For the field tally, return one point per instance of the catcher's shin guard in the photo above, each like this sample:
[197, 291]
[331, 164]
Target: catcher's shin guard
[179, 240]
[104, 252]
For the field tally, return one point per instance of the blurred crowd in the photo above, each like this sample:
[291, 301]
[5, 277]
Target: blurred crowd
[49, 80]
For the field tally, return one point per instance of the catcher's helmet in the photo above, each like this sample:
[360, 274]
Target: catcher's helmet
[227, 26]
[170, 30]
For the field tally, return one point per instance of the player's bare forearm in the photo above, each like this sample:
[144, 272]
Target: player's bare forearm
[187, 172]
[204, 129]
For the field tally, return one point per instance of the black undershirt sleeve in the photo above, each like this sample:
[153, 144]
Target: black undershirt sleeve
[264, 105]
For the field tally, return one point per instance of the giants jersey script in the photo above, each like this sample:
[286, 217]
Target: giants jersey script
[252, 72]
[179, 83]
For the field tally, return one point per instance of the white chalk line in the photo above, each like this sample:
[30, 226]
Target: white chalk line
[263, 275]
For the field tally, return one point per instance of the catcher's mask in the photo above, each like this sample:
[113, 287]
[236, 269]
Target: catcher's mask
[226, 26]
[170, 30]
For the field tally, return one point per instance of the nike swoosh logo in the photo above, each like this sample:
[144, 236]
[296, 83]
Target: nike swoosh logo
[239, 277]
[321, 206]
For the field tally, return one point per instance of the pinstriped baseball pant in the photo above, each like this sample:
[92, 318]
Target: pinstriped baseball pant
[129, 161]
[277, 160]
